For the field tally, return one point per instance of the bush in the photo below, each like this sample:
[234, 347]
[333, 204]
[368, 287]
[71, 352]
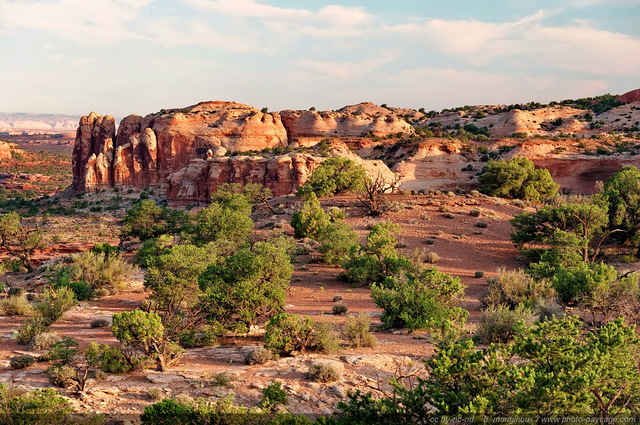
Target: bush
[337, 239]
[62, 376]
[498, 323]
[169, 411]
[106, 358]
[432, 257]
[323, 372]
[273, 396]
[100, 323]
[310, 219]
[475, 212]
[107, 273]
[482, 225]
[357, 332]
[339, 308]
[517, 178]
[151, 249]
[43, 406]
[287, 333]
[55, 302]
[324, 338]
[514, 287]
[416, 301]
[45, 341]
[15, 291]
[332, 177]
[479, 274]
[155, 394]
[31, 327]
[22, 361]
[258, 356]
[16, 305]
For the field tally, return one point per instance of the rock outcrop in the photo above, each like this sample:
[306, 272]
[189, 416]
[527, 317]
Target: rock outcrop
[283, 174]
[630, 97]
[350, 121]
[93, 152]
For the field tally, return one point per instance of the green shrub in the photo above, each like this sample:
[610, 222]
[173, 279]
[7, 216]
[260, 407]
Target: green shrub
[499, 323]
[55, 302]
[31, 327]
[106, 358]
[482, 225]
[325, 338]
[251, 284]
[16, 291]
[357, 332]
[323, 372]
[332, 177]
[273, 395]
[258, 356]
[479, 274]
[169, 411]
[152, 249]
[417, 301]
[107, 273]
[337, 240]
[43, 406]
[62, 376]
[45, 341]
[22, 361]
[517, 178]
[222, 379]
[431, 257]
[515, 287]
[286, 333]
[310, 219]
[155, 394]
[16, 305]
[475, 212]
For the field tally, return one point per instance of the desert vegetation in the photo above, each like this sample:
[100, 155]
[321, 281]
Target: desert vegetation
[392, 305]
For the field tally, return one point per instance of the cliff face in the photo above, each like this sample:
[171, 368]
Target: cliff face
[185, 150]
[350, 121]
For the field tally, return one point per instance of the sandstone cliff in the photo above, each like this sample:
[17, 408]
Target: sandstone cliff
[350, 121]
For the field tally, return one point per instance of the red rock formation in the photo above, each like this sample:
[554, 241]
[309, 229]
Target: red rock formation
[5, 150]
[282, 174]
[629, 97]
[93, 152]
[350, 121]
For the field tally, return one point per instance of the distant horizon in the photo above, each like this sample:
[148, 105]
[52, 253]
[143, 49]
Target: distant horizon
[118, 117]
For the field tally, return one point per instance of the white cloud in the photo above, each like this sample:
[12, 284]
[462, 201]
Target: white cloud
[346, 70]
[248, 9]
[577, 46]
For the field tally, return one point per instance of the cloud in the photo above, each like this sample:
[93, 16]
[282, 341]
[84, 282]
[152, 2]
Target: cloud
[576, 46]
[346, 70]
[85, 22]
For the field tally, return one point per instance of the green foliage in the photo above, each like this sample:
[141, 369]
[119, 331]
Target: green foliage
[246, 286]
[62, 376]
[357, 331]
[378, 258]
[16, 305]
[106, 249]
[42, 406]
[549, 370]
[105, 273]
[622, 195]
[499, 323]
[45, 341]
[55, 302]
[106, 358]
[332, 177]
[570, 228]
[19, 239]
[421, 300]
[21, 361]
[63, 352]
[286, 333]
[173, 277]
[517, 178]
[30, 328]
[143, 333]
[273, 395]
[337, 240]
[514, 287]
[170, 412]
[310, 219]
[151, 249]
[146, 220]
[227, 221]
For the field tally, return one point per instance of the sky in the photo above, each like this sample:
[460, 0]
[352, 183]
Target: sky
[119, 57]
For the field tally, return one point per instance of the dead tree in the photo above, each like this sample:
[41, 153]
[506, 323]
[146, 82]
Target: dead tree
[373, 195]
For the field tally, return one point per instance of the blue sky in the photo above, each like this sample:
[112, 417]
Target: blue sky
[138, 56]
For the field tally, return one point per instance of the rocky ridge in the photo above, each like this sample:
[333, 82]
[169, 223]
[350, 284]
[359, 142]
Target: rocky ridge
[190, 151]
